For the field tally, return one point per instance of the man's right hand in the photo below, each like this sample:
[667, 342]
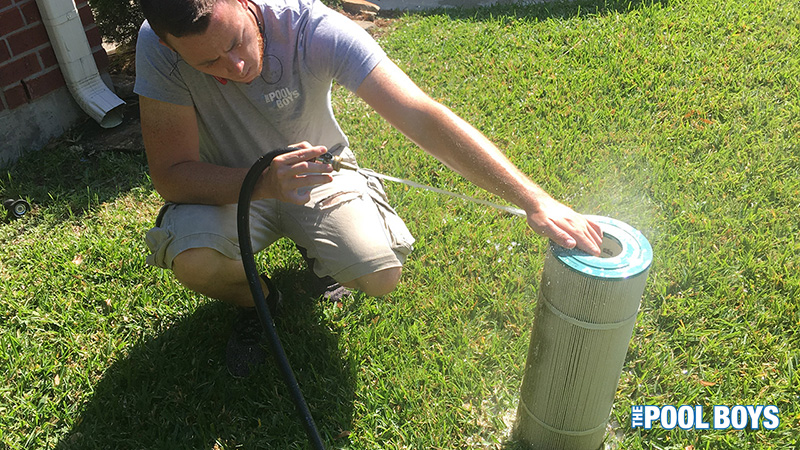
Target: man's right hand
[290, 175]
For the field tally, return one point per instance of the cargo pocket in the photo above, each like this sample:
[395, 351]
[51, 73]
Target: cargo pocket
[401, 238]
[158, 240]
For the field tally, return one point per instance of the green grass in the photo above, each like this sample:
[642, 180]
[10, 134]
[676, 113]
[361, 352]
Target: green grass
[681, 118]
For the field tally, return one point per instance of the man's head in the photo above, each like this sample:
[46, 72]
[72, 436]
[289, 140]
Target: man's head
[217, 37]
[177, 17]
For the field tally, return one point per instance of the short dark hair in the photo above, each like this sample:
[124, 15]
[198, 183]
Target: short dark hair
[177, 17]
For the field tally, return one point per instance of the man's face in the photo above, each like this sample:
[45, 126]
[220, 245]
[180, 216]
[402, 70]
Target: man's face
[231, 47]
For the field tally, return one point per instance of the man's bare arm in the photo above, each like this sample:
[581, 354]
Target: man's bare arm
[464, 149]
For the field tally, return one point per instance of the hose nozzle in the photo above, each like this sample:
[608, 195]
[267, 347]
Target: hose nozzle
[337, 162]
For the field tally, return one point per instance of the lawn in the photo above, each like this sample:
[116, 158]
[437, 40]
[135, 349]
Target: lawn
[681, 118]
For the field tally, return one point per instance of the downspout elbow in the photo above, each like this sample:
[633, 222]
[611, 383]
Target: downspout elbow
[68, 38]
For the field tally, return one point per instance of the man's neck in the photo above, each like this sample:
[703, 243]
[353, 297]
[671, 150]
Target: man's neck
[256, 12]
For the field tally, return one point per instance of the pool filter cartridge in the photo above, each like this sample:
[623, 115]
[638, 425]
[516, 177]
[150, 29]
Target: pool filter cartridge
[582, 327]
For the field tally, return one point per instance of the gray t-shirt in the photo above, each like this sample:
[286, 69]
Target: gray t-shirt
[307, 46]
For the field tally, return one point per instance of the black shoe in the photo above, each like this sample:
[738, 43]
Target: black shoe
[325, 288]
[330, 290]
[274, 299]
[246, 344]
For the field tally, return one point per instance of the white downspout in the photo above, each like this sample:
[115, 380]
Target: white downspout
[75, 59]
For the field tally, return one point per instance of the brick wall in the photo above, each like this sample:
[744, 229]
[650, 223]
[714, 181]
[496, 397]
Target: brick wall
[28, 65]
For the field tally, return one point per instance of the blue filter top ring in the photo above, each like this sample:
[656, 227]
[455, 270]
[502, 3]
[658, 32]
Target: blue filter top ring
[625, 252]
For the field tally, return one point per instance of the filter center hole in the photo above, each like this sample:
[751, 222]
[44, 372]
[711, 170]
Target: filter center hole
[610, 247]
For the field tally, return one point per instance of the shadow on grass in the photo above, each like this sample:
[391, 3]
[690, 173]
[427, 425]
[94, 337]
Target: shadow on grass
[173, 391]
[170, 388]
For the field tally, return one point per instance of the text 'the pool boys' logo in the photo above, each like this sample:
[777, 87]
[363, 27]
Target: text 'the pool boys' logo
[688, 417]
[281, 98]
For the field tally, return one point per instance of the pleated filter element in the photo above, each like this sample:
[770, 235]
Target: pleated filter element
[582, 327]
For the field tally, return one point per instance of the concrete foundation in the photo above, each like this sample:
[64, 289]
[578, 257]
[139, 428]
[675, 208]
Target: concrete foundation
[31, 126]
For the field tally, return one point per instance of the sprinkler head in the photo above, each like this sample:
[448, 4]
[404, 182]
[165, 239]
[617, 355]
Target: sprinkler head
[16, 208]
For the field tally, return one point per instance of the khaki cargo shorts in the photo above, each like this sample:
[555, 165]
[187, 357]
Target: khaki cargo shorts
[347, 227]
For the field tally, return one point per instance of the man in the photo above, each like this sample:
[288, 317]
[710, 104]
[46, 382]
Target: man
[222, 82]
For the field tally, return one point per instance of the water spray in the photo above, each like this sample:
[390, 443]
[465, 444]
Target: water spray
[338, 163]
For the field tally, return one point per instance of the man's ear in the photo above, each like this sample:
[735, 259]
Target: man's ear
[244, 3]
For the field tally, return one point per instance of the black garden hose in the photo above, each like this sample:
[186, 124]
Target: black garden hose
[250, 269]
